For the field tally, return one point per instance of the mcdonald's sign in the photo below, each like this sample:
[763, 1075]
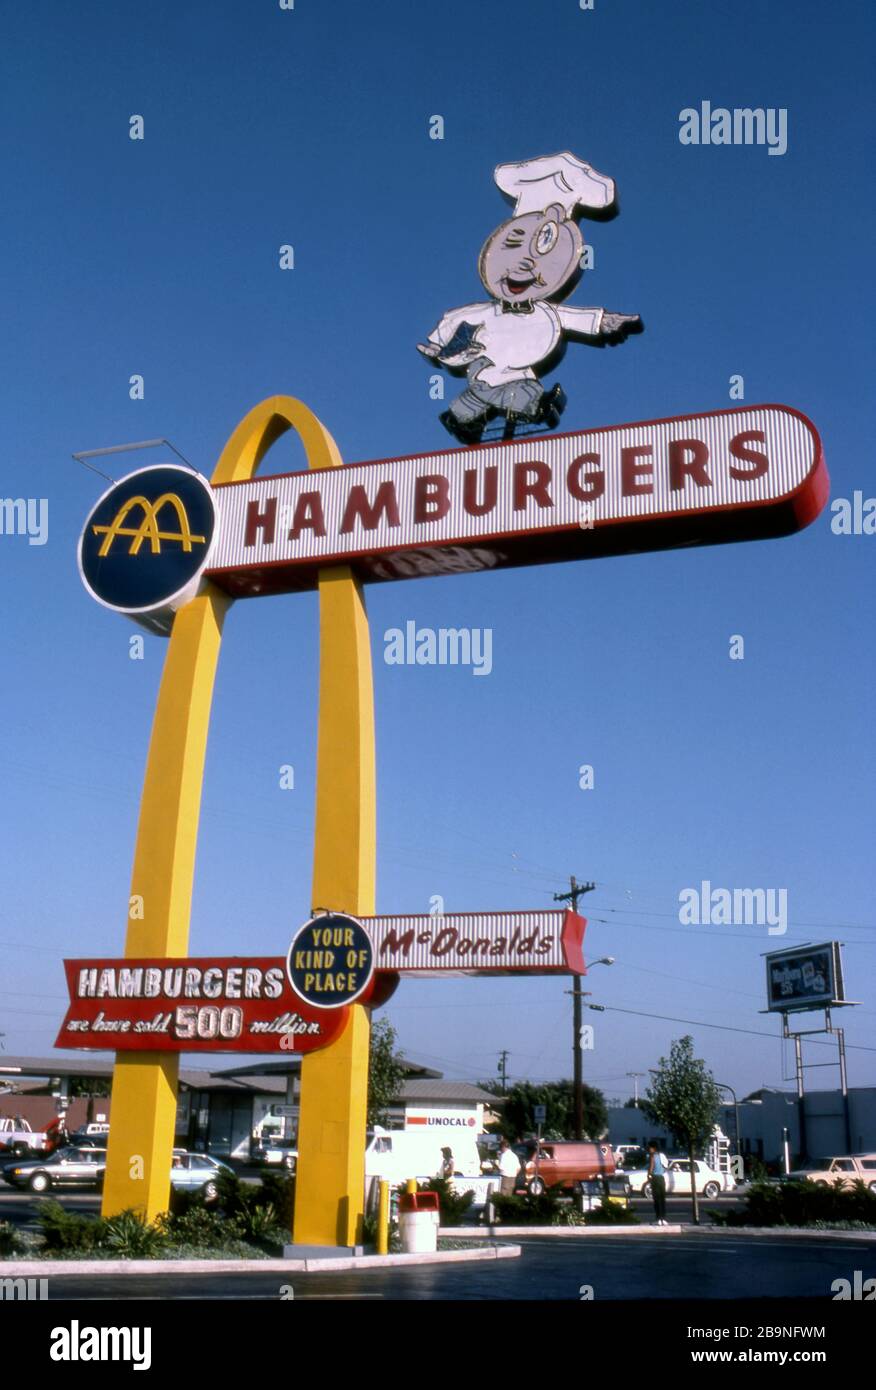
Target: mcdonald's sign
[147, 542]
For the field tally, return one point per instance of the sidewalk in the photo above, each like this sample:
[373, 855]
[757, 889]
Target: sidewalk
[644, 1229]
[33, 1269]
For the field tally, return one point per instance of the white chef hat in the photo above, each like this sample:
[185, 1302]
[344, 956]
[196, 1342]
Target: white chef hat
[535, 184]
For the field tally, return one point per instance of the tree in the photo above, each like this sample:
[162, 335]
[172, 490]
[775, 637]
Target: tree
[94, 1087]
[491, 1085]
[386, 1072]
[89, 1086]
[558, 1098]
[684, 1098]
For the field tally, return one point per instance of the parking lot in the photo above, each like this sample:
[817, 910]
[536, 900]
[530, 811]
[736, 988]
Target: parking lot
[21, 1208]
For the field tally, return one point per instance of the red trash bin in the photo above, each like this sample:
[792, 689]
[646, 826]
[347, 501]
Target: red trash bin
[418, 1217]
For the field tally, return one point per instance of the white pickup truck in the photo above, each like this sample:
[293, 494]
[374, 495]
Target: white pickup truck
[17, 1137]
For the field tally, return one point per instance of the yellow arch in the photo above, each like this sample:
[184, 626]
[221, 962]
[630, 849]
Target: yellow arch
[262, 427]
[148, 526]
[334, 1081]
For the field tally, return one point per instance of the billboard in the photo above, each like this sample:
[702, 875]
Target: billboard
[804, 977]
[727, 475]
[207, 1004]
[480, 943]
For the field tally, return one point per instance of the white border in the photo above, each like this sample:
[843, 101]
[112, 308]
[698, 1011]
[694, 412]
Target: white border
[164, 603]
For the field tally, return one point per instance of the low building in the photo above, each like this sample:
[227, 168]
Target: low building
[765, 1116]
[221, 1111]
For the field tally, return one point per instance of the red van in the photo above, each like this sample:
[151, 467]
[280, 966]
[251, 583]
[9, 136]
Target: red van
[564, 1163]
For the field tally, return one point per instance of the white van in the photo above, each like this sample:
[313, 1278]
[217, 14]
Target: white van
[400, 1154]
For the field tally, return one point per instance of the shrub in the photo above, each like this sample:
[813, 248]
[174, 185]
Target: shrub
[278, 1191]
[234, 1195]
[66, 1231]
[199, 1227]
[803, 1204]
[611, 1214]
[452, 1205]
[262, 1212]
[258, 1222]
[568, 1216]
[527, 1210]
[131, 1237]
[10, 1241]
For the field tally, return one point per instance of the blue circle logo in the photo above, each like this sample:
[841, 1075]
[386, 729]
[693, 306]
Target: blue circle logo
[148, 539]
[330, 961]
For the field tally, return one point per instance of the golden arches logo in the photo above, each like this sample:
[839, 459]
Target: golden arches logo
[148, 528]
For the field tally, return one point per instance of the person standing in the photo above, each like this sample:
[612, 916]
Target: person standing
[657, 1179]
[509, 1167]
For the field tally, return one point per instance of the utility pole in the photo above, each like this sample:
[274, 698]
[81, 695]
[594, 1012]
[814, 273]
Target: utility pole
[577, 890]
[503, 1069]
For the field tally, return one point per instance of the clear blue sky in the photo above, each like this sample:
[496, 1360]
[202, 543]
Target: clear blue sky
[160, 257]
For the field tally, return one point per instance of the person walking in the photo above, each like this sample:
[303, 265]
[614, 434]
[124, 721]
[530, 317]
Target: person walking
[509, 1167]
[657, 1179]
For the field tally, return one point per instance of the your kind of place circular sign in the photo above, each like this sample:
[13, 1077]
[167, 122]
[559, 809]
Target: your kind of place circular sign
[330, 961]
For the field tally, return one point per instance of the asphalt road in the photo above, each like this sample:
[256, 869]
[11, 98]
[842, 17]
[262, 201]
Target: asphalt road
[694, 1266]
[648, 1267]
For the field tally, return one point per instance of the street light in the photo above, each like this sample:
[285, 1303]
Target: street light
[635, 1075]
[578, 996]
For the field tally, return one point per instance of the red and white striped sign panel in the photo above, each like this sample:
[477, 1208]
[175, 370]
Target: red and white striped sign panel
[479, 943]
[740, 474]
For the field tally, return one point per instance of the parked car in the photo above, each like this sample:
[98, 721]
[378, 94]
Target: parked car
[708, 1180]
[563, 1163]
[97, 1129]
[276, 1153]
[833, 1172]
[197, 1173]
[17, 1137]
[630, 1155]
[88, 1141]
[68, 1167]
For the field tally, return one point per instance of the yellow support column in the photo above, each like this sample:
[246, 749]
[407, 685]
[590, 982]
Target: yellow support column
[334, 1082]
[145, 1084]
[330, 1187]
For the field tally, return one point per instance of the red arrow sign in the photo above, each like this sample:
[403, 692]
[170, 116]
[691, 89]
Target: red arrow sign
[204, 1004]
[479, 943]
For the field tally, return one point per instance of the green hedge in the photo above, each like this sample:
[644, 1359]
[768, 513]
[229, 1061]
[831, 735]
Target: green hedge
[452, 1205]
[802, 1204]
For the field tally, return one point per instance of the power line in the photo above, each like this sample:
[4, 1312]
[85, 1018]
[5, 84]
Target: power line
[722, 1027]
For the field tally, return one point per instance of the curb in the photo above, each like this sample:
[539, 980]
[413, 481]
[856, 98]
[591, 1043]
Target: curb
[639, 1232]
[22, 1269]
